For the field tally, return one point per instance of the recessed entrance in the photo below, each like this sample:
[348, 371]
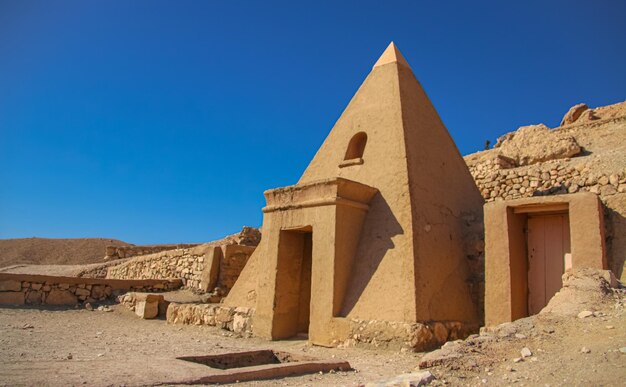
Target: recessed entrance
[242, 359]
[549, 255]
[293, 283]
[530, 243]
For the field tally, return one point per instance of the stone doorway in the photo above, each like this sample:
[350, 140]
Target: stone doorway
[293, 282]
[549, 255]
[530, 243]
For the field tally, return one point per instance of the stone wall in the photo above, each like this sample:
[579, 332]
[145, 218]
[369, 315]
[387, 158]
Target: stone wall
[117, 252]
[418, 337]
[563, 176]
[248, 236]
[193, 265]
[550, 178]
[238, 320]
[20, 289]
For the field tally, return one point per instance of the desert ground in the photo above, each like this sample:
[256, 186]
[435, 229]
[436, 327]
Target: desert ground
[75, 346]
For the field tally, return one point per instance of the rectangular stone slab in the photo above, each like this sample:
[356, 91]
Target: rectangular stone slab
[296, 365]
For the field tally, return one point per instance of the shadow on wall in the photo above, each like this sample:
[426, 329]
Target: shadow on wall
[615, 227]
[379, 227]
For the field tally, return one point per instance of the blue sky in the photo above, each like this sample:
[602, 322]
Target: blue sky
[164, 121]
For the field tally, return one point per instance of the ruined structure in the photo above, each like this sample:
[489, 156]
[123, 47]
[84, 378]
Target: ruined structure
[369, 245]
[530, 243]
[556, 201]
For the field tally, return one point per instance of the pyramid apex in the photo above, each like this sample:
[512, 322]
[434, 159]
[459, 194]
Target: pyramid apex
[391, 55]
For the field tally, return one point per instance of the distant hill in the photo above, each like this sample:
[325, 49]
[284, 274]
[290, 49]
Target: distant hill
[45, 251]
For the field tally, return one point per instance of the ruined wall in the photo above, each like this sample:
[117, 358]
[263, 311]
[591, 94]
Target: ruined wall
[20, 289]
[238, 320]
[188, 264]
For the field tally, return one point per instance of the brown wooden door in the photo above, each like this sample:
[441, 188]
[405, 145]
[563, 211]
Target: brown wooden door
[548, 244]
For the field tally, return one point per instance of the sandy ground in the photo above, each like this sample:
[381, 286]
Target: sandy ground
[50, 347]
[50, 251]
[54, 270]
[117, 348]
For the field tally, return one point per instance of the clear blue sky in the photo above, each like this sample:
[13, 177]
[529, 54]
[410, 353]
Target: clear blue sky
[164, 121]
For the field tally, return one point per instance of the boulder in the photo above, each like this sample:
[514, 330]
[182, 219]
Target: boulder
[97, 292]
[83, 292]
[450, 352]
[414, 379]
[586, 116]
[537, 143]
[33, 297]
[573, 113]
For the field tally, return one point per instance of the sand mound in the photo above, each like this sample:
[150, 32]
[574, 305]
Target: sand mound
[44, 251]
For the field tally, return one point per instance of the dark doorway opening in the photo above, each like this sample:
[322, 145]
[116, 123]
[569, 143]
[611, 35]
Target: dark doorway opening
[292, 304]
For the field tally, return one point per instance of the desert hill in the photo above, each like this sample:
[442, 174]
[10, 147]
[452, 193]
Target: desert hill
[45, 251]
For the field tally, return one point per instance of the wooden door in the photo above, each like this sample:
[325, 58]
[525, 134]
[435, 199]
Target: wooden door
[548, 248]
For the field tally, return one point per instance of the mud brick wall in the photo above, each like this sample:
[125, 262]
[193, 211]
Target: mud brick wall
[21, 289]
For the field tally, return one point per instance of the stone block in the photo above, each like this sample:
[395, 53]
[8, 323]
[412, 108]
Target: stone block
[33, 297]
[83, 292]
[240, 323]
[97, 291]
[12, 298]
[10, 285]
[61, 297]
[147, 305]
[147, 310]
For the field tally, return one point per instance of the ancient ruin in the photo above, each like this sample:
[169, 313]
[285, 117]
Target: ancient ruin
[389, 240]
[370, 220]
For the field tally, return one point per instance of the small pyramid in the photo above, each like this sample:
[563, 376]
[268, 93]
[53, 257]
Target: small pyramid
[391, 55]
[411, 247]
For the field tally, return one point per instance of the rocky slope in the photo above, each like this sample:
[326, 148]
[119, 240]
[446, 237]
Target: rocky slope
[579, 339]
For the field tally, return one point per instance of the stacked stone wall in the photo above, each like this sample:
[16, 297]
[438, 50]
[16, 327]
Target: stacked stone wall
[238, 320]
[20, 289]
[418, 337]
[549, 178]
[188, 264]
[497, 181]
